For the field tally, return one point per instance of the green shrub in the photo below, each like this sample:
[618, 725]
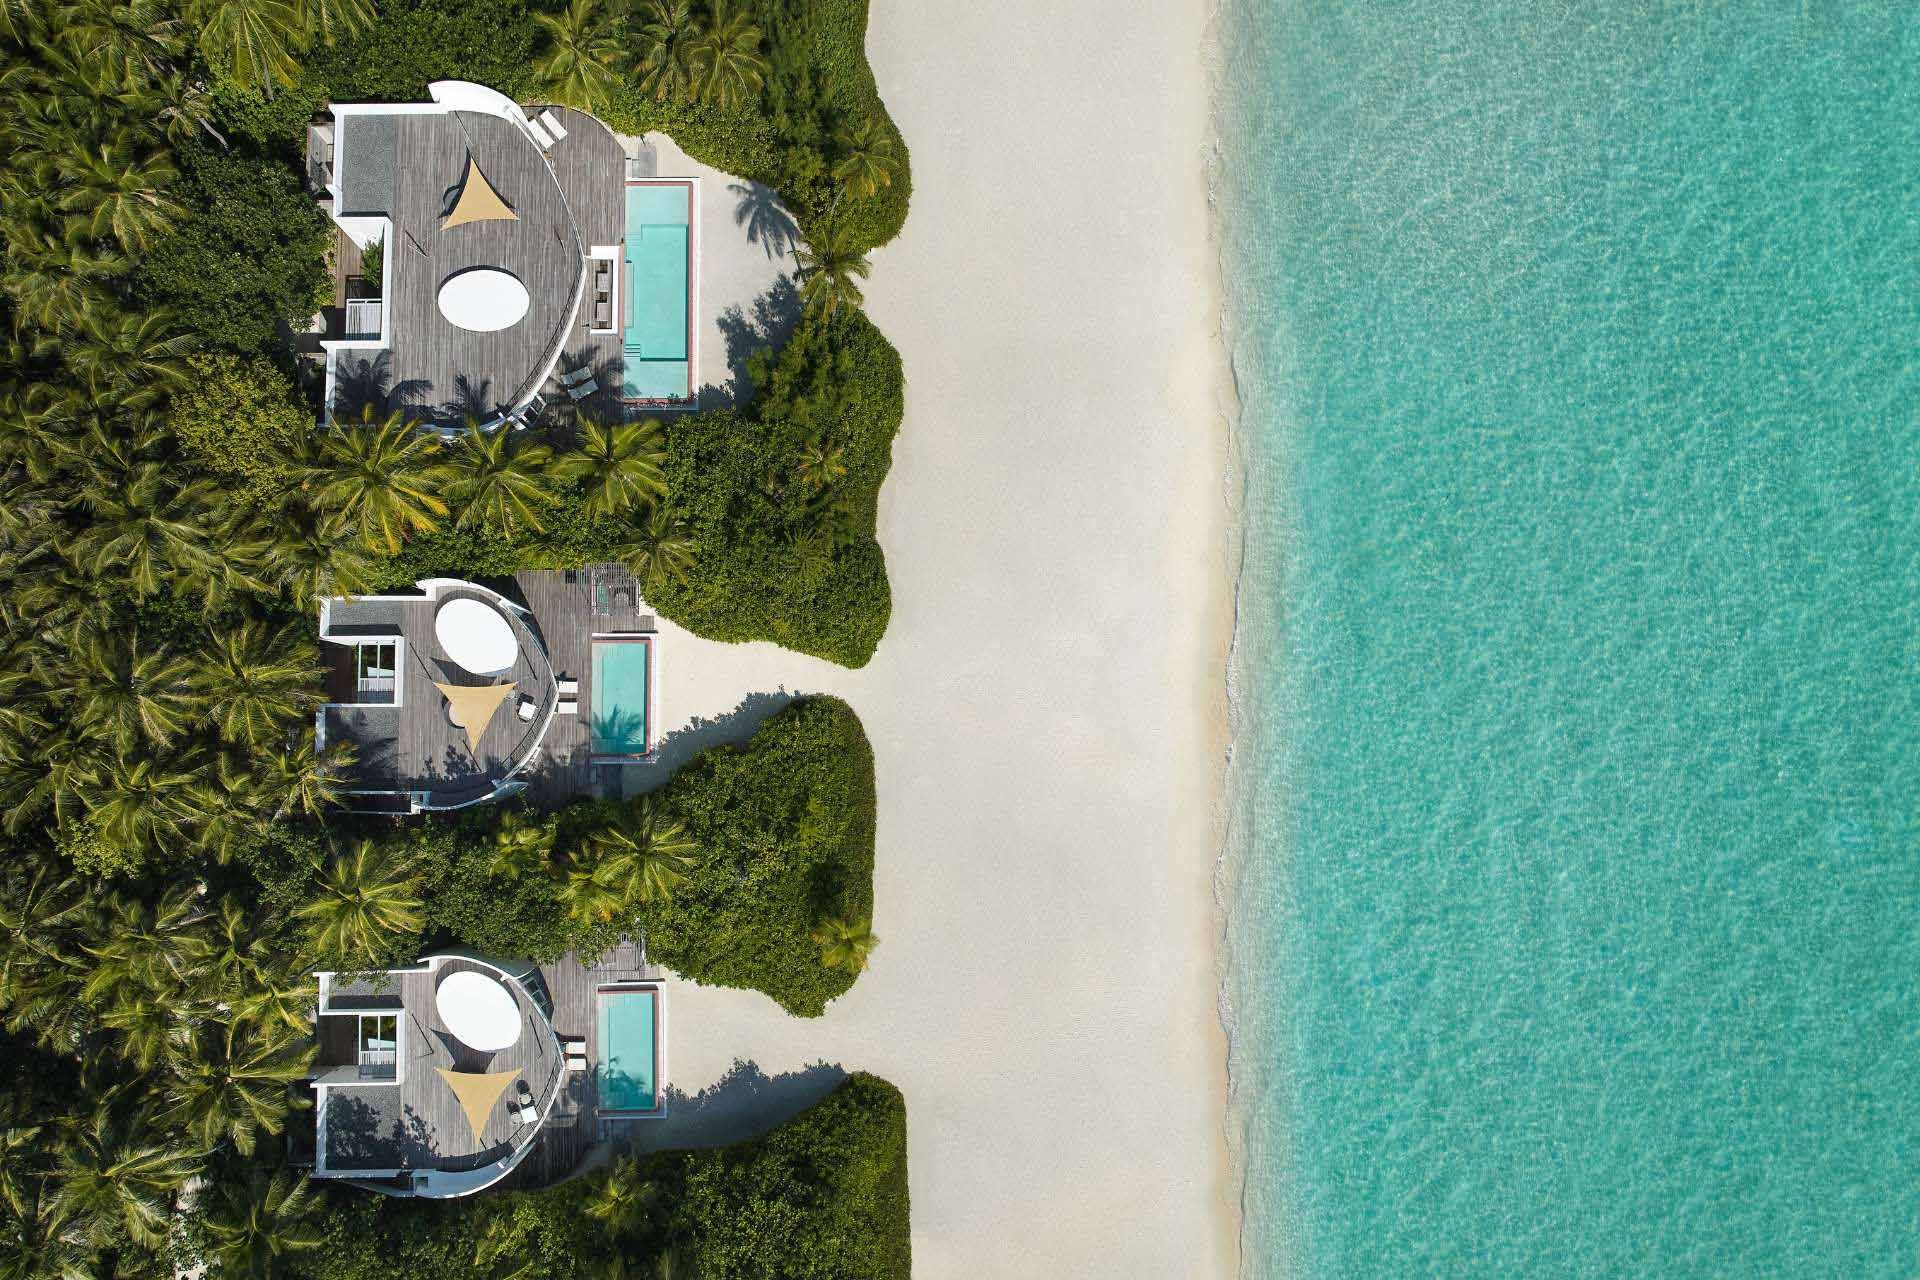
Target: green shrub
[248, 257]
[823, 1197]
[785, 826]
[515, 913]
[240, 421]
[781, 555]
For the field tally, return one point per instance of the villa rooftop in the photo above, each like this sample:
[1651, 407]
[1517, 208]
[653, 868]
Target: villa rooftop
[410, 165]
[412, 749]
[391, 1115]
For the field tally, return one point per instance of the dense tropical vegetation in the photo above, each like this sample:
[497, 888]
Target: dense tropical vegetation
[822, 1197]
[172, 863]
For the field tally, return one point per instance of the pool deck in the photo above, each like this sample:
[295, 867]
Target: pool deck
[573, 1127]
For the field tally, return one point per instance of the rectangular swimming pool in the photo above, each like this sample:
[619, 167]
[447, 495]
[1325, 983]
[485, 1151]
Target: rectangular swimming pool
[656, 361]
[629, 1049]
[618, 721]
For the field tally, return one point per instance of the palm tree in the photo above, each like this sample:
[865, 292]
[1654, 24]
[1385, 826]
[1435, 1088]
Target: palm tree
[234, 1082]
[381, 477]
[497, 479]
[868, 157]
[657, 549]
[40, 1237]
[830, 270]
[666, 36]
[521, 843]
[580, 60]
[624, 1201]
[140, 942]
[119, 194]
[845, 944]
[58, 278]
[620, 465]
[823, 461]
[300, 781]
[146, 530]
[364, 897]
[727, 53]
[117, 1171]
[135, 356]
[258, 682]
[592, 892]
[647, 857]
[128, 691]
[143, 804]
[252, 42]
[311, 555]
[255, 1223]
[328, 22]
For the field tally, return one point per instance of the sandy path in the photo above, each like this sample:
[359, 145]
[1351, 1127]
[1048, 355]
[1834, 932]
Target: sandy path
[1047, 707]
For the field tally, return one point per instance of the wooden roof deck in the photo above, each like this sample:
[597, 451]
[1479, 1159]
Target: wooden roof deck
[564, 204]
[418, 1124]
[415, 746]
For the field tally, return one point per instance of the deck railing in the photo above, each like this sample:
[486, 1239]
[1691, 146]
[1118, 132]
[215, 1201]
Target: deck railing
[363, 318]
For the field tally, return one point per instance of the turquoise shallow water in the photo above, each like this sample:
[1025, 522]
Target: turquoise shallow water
[1575, 925]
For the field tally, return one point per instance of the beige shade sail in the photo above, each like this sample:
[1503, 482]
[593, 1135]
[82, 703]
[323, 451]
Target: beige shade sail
[477, 1093]
[478, 201]
[471, 706]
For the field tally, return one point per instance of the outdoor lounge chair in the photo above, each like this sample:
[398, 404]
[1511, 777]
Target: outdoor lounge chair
[552, 124]
[567, 688]
[603, 313]
[540, 135]
[581, 390]
[568, 707]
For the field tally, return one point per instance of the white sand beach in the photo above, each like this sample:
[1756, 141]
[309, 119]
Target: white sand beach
[1048, 707]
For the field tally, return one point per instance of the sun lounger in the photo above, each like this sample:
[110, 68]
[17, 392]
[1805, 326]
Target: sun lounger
[540, 135]
[567, 688]
[568, 707]
[552, 124]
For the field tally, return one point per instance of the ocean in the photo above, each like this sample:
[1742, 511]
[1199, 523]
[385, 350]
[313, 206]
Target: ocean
[1574, 888]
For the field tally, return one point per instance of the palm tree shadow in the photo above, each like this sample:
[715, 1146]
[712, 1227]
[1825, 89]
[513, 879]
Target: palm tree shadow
[775, 313]
[767, 224]
[472, 399]
[366, 386]
[672, 752]
[744, 1103]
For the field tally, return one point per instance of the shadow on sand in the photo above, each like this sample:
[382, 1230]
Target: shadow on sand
[683, 744]
[744, 1103]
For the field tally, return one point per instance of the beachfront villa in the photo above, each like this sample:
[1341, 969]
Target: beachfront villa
[491, 261]
[458, 693]
[447, 1077]
[493, 258]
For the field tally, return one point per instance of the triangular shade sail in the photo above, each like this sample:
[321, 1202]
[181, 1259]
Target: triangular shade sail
[477, 1093]
[478, 201]
[471, 706]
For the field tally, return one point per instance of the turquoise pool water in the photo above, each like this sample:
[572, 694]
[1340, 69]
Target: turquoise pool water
[655, 366]
[628, 1049]
[618, 723]
[1577, 696]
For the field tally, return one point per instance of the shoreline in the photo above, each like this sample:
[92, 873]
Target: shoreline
[1049, 707]
[1227, 864]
